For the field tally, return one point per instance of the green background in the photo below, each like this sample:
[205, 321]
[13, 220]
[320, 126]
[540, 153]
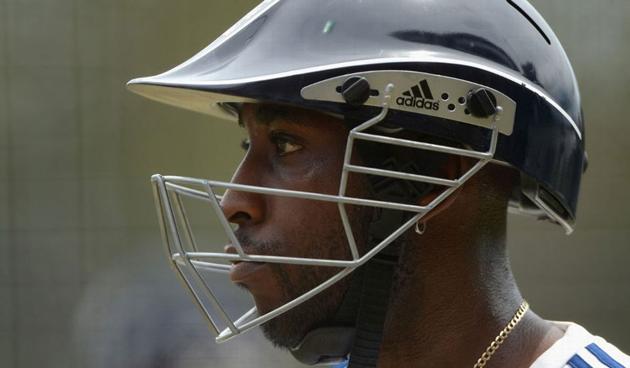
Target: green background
[82, 278]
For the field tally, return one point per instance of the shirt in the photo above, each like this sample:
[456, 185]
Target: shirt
[580, 349]
[576, 349]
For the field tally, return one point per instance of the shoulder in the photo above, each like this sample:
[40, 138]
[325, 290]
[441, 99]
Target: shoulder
[580, 349]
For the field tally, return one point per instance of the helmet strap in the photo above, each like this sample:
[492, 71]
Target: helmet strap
[376, 288]
[380, 271]
[357, 329]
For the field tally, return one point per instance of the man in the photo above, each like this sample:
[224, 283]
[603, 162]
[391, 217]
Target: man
[386, 143]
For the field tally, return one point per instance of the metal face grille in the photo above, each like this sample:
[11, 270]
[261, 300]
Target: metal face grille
[189, 263]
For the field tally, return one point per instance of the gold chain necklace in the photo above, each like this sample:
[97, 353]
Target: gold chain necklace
[494, 345]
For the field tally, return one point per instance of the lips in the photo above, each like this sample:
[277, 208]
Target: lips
[258, 278]
[242, 271]
[245, 271]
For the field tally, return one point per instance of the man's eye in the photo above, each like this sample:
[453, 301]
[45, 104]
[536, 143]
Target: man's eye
[285, 144]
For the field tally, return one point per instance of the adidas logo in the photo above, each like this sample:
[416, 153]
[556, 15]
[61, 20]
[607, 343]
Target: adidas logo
[419, 96]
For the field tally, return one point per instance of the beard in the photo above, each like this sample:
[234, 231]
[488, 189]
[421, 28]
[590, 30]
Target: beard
[288, 329]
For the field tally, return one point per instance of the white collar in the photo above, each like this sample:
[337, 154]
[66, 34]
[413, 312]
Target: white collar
[575, 338]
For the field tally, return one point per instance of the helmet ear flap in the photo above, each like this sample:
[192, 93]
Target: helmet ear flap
[385, 221]
[406, 160]
[398, 190]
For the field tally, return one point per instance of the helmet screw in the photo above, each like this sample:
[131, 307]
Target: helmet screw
[482, 103]
[355, 91]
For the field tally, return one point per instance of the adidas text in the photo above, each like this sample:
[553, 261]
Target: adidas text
[420, 103]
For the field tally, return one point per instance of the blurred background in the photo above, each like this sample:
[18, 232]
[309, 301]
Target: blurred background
[83, 280]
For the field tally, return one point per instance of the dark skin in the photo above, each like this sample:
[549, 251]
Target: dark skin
[454, 290]
[446, 316]
[297, 151]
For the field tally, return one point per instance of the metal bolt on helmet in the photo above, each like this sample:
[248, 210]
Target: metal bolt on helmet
[496, 82]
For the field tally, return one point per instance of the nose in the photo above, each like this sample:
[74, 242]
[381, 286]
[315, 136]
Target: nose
[240, 207]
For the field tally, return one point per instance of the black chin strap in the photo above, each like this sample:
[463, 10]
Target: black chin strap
[379, 272]
[375, 296]
[357, 329]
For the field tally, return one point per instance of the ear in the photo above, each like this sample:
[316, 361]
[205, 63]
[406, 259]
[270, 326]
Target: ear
[455, 167]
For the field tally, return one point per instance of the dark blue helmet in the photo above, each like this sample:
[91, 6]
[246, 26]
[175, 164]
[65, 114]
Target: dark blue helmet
[337, 57]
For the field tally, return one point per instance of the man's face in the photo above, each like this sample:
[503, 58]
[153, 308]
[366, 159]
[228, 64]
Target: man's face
[299, 150]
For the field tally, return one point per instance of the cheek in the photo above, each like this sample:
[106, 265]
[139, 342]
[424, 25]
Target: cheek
[317, 169]
[300, 224]
[308, 228]
[317, 175]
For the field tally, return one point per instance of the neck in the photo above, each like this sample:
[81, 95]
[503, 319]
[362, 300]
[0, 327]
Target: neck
[455, 292]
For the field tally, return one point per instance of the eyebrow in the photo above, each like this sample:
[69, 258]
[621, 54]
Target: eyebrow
[266, 114]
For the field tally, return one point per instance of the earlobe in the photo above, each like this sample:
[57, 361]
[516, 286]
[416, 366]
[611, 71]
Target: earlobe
[442, 206]
[454, 168]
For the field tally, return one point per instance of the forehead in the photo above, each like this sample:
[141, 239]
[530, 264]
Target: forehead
[266, 114]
